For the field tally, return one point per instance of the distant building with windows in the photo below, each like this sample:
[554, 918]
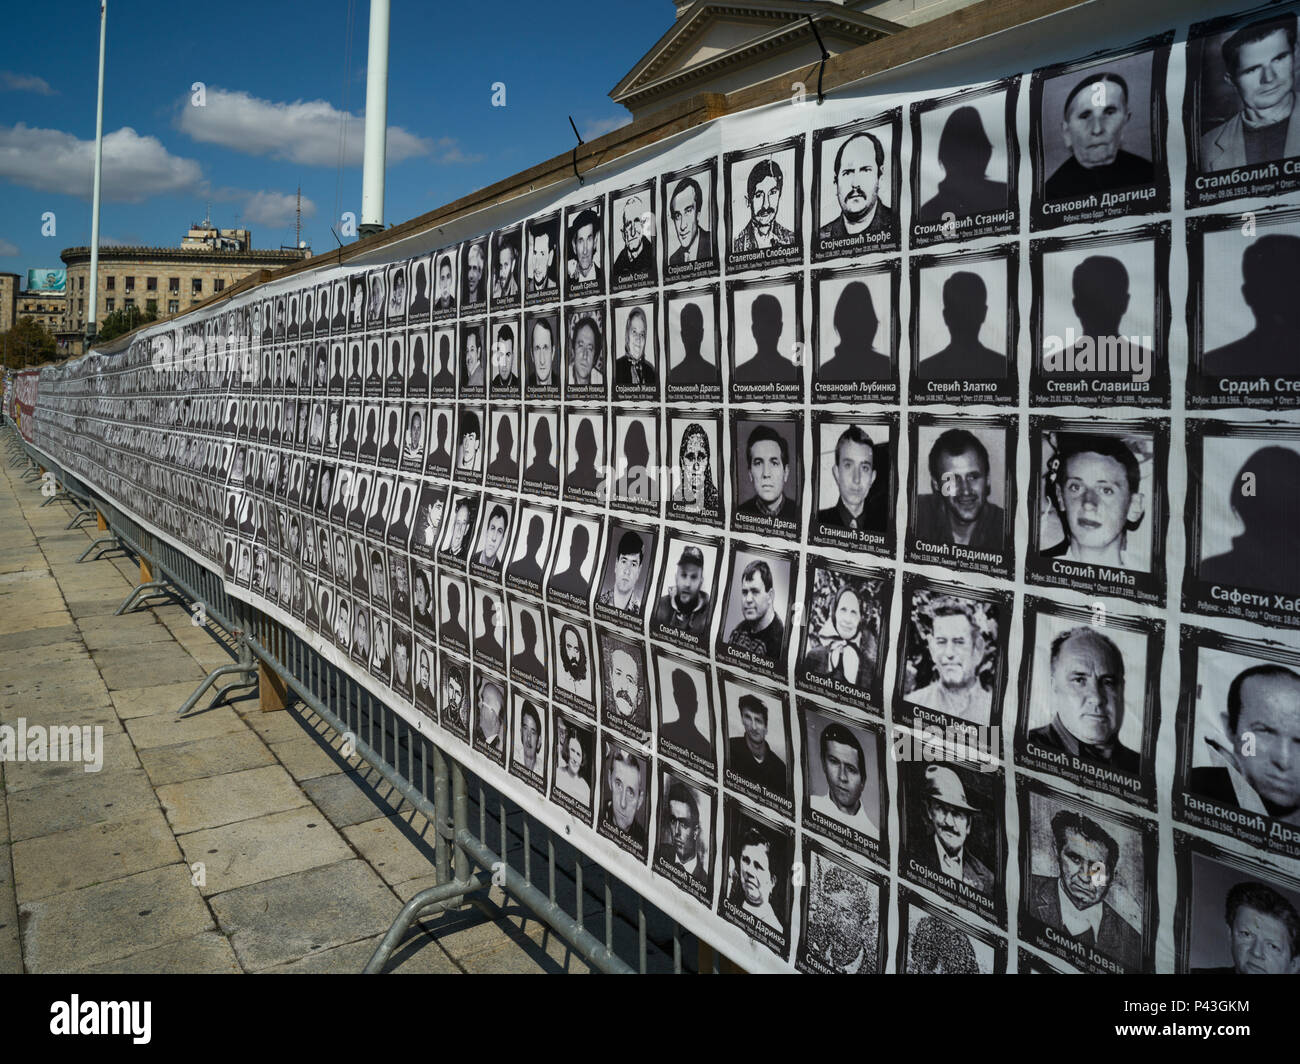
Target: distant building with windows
[164, 280]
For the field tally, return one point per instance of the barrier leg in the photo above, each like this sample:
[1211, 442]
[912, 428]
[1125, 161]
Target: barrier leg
[98, 544]
[448, 895]
[245, 667]
[142, 591]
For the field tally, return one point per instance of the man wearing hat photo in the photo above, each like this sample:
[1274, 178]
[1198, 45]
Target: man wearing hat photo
[687, 606]
[948, 816]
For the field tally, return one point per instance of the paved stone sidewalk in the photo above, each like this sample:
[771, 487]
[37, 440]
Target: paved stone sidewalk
[231, 841]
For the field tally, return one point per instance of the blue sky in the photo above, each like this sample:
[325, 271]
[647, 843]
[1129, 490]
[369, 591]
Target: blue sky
[278, 82]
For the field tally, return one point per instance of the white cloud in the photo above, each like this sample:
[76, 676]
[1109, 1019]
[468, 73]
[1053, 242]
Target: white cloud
[136, 168]
[598, 127]
[26, 83]
[309, 132]
[7, 248]
[274, 209]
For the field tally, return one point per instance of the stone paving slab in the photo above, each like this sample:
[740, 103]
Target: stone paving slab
[207, 953]
[111, 920]
[212, 801]
[398, 850]
[96, 853]
[287, 919]
[78, 801]
[352, 797]
[167, 729]
[232, 752]
[419, 954]
[118, 756]
[250, 851]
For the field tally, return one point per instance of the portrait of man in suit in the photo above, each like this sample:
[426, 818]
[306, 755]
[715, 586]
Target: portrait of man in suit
[1260, 63]
[685, 206]
[1074, 901]
[948, 816]
[681, 844]
[1263, 704]
[1263, 932]
[625, 794]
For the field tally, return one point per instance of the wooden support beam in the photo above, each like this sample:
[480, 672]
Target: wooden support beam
[272, 692]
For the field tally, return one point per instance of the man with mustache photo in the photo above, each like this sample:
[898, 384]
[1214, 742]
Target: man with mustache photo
[623, 697]
[859, 164]
[763, 197]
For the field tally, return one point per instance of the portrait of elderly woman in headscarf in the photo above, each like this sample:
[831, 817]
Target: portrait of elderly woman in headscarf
[844, 647]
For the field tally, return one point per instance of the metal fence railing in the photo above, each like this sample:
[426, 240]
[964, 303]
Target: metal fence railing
[481, 839]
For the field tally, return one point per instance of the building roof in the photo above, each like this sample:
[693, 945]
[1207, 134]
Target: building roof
[712, 37]
[190, 256]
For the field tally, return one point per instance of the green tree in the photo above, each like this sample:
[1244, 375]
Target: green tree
[28, 343]
[124, 321]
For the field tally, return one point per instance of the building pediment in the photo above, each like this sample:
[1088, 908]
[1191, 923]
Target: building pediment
[713, 37]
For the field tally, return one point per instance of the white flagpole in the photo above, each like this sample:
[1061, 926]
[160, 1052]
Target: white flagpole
[372, 173]
[99, 167]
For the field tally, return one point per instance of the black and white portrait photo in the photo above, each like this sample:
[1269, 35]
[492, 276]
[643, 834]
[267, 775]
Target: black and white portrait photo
[855, 333]
[954, 654]
[965, 158]
[573, 564]
[474, 278]
[1087, 891]
[633, 238]
[1238, 725]
[427, 524]
[845, 916]
[692, 343]
[458, 529]
[576, 755]
[845, 796]
[765, 343]
[933, 940]
[965, 327]
[765, 206]
[541, 452]
[542, 258]
[689, 233]
[532, 548]
[584, 249]
[756, 893]
[635, 347]
[856, 187]
[507, 272]
[1099, 512]
[625, 689]
[586, 352]
[455, 696]
[684, 852]
[1242, 491]
[1097, 137]
[541, 355]
[585, 462]
[1239, 107]
[473, 368]
[962, 490]
[398, 294]
[467, 459]
[491, 727]
[426, 690]
[530, 747]
[1100, 319]
[767, 474]
[1235, 914]
[687, 728]
[445, 284]
[573, 664]
[626, 787]
[695, 461]
[626, 574]
[688, 582]
[1241, 317]
[491, 545]
[953, 841]
[755, 628]
[635, 461]
[844, 629]
[503, 358]
[855, 483]
[758, 758]
[1090, 698]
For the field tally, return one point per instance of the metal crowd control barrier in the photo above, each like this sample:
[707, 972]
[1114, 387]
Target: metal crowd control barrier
[603, 920]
